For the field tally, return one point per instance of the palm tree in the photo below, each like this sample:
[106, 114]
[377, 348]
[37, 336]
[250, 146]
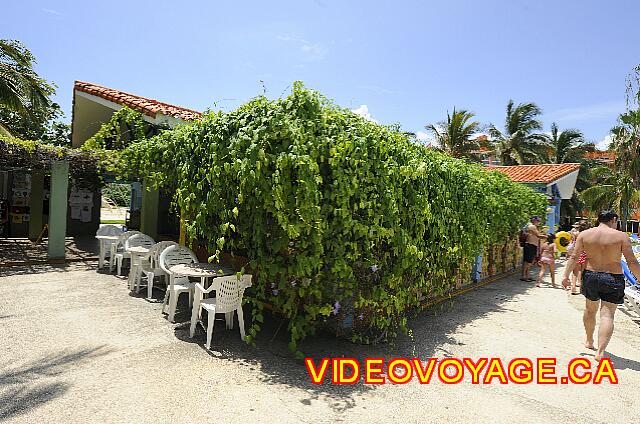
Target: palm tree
[621, 187]
[566, 146]
[21, 89]
[622, 190]
[616, 191]
[457, 135]
[519, 143]
[626, 143]
[569, 146]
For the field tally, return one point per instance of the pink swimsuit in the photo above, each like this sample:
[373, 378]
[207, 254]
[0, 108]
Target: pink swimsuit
[583, 258]
[546, 260]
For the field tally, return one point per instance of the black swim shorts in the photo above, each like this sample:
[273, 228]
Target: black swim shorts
[529, 252]
[603, 286]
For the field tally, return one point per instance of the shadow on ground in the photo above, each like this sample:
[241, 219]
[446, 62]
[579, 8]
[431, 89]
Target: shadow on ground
[28, 386]
[432, 329]
[618, 362]
[46, 268]
[21, 251]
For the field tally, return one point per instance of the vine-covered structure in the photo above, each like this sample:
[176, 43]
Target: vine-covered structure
[339, 217]
[106, 121]
[37, 182]
[60, 187]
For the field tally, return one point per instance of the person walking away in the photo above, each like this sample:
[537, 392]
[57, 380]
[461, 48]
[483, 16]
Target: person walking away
[548, 260]
[603, 282]
[530, 248]
[576, 276]
[574, 237]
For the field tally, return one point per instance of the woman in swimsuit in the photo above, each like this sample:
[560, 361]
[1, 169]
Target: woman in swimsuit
[580, 267]
[547, 260]
[576, 280]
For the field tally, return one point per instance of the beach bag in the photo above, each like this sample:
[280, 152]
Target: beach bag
[524, 232]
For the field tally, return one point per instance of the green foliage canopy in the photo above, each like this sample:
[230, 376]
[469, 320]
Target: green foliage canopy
[119, 193]
[126, 127]
[84, 166]
[21, 89]
[339, 216]
[26, 109]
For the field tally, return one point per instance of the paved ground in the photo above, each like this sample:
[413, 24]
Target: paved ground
[78, 348]
[15, 251]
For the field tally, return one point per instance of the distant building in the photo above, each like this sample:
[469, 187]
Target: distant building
[557, 181]
[484, 153]
[605, 157]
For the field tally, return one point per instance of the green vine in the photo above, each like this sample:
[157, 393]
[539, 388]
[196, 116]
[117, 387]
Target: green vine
[342, 219]
[125, 126]
[84, 166]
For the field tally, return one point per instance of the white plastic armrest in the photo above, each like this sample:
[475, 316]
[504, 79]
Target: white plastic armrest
[202, 290]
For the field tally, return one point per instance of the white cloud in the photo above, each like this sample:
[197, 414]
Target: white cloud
[604, 144]
[379, 90]
[584, 113]
[314, 51]
[363, 111]
[51, 11]
[423, 136]
[311, 51]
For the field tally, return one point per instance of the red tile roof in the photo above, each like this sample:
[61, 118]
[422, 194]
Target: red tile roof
[605, 156]
[546, 173]
[147, 106]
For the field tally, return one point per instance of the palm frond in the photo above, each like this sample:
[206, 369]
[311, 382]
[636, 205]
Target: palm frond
[21, 89]
[600, 197]
[456, 135]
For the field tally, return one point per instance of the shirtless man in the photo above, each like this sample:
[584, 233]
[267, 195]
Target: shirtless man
[530, 250]
[602, 281]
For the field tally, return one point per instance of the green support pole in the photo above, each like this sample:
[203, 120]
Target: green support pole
[58, 209]
[149, 212]
[35, 205]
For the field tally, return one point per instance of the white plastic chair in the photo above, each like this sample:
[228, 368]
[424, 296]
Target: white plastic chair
[172, 256]
[632, 298]
[150, 266]
[137, 240]
[229, 293]
[105, 245]
[118, 254]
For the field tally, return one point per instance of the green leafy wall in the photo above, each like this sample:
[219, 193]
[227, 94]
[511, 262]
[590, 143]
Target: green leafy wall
[338, 215]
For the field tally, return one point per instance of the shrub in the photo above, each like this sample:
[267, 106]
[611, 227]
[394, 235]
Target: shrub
[340, 217]
[84, 167]
[119, 193]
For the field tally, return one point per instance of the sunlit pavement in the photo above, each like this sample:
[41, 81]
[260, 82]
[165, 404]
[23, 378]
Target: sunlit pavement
[77, 347]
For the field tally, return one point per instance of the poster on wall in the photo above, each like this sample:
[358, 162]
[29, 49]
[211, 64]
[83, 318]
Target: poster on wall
[20, 196]
[81, 204]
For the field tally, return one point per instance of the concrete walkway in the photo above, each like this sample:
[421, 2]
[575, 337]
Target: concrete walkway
[76, 347]
[21, 251]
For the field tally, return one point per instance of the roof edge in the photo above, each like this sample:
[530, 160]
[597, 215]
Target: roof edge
[152, 108]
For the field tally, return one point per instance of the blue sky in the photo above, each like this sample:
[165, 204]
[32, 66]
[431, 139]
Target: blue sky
[406, 61]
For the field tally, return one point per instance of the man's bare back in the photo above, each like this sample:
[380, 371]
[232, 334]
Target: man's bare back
[604, 247]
